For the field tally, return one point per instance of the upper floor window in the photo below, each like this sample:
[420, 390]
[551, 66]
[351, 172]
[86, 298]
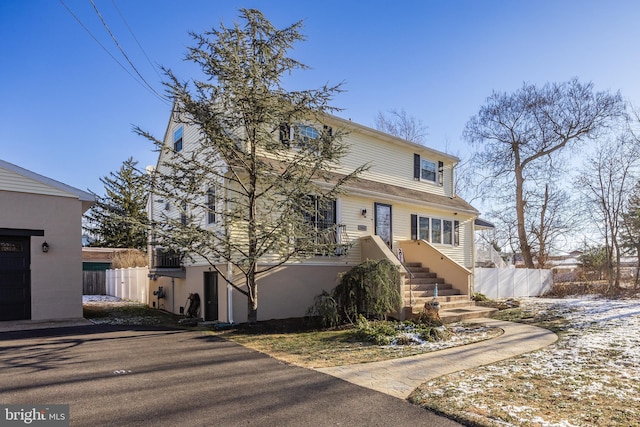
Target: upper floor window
[304, 135]
[211, 205]
[177, 139]
[300, 134]
[183, 214]
[427, 170]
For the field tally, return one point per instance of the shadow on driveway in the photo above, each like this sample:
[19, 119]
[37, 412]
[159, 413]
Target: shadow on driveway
[138, 376]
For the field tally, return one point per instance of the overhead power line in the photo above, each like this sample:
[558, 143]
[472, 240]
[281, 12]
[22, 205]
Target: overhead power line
[142, 83]
[113, 37]
[153, 66]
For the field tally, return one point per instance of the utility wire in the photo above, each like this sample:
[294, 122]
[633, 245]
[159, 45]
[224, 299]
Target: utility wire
[113, 37]
[106, 50]
[135, 38]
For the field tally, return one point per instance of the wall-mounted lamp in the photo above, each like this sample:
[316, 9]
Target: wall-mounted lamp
[364, 213]
[45, 247]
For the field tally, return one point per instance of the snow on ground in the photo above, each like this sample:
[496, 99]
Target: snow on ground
[100, 298]
[589, 377]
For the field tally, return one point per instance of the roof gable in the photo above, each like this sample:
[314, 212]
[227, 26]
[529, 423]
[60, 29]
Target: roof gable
[15, 178]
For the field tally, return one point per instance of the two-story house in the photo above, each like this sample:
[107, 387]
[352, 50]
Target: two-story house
[403, 208]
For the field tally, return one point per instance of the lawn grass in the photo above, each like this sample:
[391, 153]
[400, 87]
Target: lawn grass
[128, 314]
[589, 377]
[324, 348]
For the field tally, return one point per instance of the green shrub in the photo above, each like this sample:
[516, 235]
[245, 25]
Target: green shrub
[324, 307]
[382, 332]
[370, 289]
[433, 334]
[377, 332]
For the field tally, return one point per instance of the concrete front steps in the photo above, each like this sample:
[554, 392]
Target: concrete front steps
[454, 306]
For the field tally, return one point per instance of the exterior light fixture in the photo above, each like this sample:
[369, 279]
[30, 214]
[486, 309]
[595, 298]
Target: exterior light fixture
[45, 247]
[364, 213]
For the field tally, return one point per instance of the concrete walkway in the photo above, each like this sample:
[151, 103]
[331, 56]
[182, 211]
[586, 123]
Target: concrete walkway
[399, 377]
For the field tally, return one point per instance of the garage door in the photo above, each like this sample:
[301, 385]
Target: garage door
[15, 278]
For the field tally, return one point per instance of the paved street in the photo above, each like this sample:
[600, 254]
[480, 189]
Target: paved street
[120, 376]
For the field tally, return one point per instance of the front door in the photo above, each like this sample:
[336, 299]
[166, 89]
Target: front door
[383, 222]
[210, 295]
[15, 278]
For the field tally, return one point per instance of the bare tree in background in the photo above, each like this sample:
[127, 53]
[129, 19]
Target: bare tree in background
[631, 232]
[606, 181]
[402, 125]
[519, 136]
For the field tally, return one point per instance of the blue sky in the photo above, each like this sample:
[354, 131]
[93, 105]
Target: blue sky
[67, 108]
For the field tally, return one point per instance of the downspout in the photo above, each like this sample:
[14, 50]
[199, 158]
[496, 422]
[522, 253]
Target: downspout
[229, 265]
[453, 179]
[229, 293]
[173, 295]
[471, 285]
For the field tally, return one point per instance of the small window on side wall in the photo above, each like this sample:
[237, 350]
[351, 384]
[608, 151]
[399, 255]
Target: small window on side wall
[177, 139]
[211, 205]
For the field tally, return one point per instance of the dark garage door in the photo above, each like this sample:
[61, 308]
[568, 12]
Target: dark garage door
[15, 278]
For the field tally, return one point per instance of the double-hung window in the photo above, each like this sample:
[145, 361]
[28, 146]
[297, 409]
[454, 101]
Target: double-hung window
[427, 170]
[211, 205]
[183, 214]
[177, 139]
[423, 228]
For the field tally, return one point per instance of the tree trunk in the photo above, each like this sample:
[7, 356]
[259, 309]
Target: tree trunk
[520, 205]
[252, 297]
[617, 264]
[637, 281]
[542, 247]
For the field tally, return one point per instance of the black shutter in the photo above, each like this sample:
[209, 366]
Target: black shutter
[416, 167]
[284, 133]
[440, 173]
[414, 227]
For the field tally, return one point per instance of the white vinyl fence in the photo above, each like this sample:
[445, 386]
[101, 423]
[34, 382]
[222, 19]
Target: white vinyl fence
[512, 282]
[129, 283]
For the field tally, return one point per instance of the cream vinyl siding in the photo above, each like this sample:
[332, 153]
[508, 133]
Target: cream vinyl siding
[12, 181]
[392, 164]
[401, 228]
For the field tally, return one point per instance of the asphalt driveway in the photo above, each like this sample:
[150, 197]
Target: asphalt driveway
[123, 376]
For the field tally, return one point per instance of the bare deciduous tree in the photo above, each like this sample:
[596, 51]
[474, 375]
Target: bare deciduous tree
[631, 231]
[606, 181]
[518, 137]
[402, 125]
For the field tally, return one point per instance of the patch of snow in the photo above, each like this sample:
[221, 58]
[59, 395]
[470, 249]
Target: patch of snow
[598, 355]
[100, 298]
